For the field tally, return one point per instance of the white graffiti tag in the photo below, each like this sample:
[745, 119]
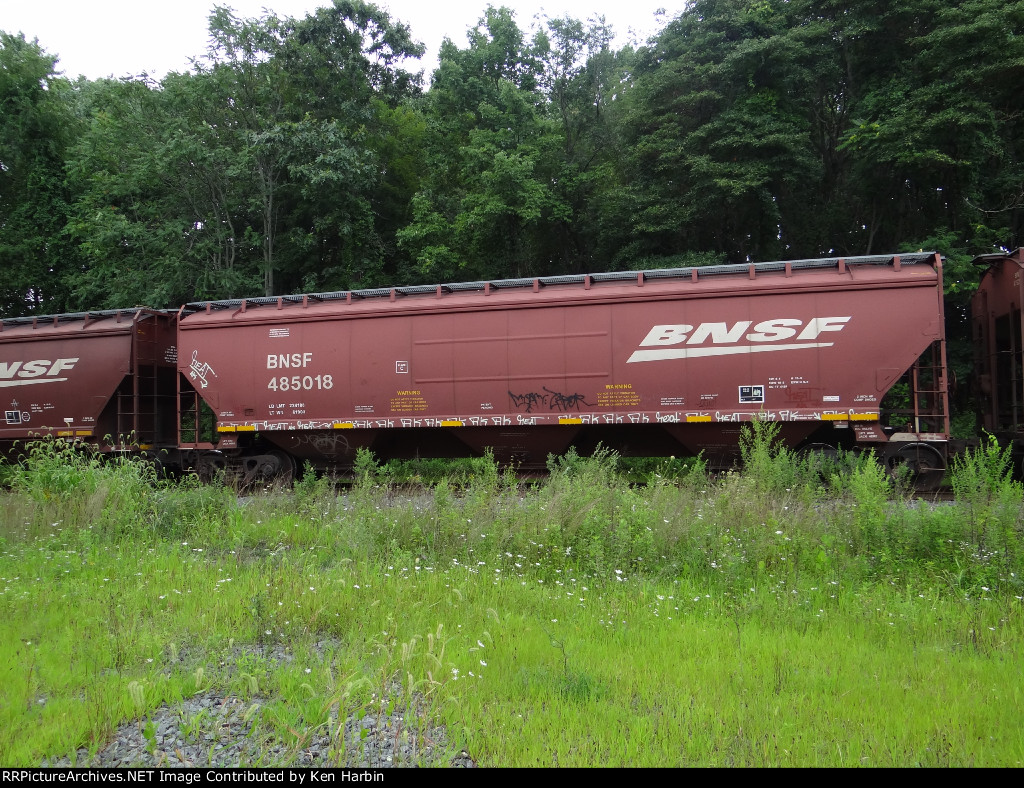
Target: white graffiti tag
[200, 370]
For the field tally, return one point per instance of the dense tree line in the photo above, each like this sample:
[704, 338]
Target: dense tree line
[305, 155]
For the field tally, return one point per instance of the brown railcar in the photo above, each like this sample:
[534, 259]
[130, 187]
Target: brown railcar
[104, 378]
[664, 362]
[996, 326]
[651, 363]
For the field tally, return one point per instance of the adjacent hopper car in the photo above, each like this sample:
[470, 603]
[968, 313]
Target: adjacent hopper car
[996, 326]
[99, 377]
[840, 352]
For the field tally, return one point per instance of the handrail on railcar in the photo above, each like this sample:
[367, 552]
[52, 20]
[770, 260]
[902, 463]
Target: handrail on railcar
[693, 273]
[85, 317]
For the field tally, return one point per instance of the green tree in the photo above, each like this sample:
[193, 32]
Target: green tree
[472, 216]
[784, 129]
[517, 146]
[579, 82]
[310, 102]
[37, 125]
[281, 163]
[718, 127]
[158, 216]
[355, 154]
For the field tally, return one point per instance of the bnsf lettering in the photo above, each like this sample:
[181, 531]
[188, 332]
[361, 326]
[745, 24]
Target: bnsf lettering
[35, 369]
[686, 341]
[721, 333]
[288, 361]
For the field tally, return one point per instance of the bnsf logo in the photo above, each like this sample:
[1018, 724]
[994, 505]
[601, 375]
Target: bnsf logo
[26, 373]
[766, 336]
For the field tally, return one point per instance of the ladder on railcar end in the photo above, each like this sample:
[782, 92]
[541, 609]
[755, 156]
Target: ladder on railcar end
[1008, 409]
[197, 427]
[930, 391]
[927, 404]
[138, 405]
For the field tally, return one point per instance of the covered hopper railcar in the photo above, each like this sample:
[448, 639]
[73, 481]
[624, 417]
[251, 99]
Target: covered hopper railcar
[655, 363]
[104, 378]
[996, 325]
[651, 363]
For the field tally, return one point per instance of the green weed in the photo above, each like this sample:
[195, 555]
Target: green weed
[757, 618]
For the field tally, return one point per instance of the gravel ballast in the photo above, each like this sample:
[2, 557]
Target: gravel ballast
[220, 728]
[216, 730]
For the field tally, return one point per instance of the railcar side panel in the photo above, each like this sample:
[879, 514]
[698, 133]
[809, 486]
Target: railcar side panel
[672, 360]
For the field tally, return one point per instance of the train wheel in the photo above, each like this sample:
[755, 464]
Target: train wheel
[287, 469]
[920, 463]
[209, 468]
[274, 467]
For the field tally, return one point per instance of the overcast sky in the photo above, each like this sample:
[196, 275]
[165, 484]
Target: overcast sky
[100, 38]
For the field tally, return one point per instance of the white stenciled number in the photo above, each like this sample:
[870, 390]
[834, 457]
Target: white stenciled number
[300, 383]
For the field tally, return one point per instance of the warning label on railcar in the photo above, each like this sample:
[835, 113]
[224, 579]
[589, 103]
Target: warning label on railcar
[409, 401]
[618, 395]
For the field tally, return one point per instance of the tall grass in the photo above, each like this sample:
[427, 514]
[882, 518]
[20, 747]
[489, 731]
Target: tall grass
[793, 613]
